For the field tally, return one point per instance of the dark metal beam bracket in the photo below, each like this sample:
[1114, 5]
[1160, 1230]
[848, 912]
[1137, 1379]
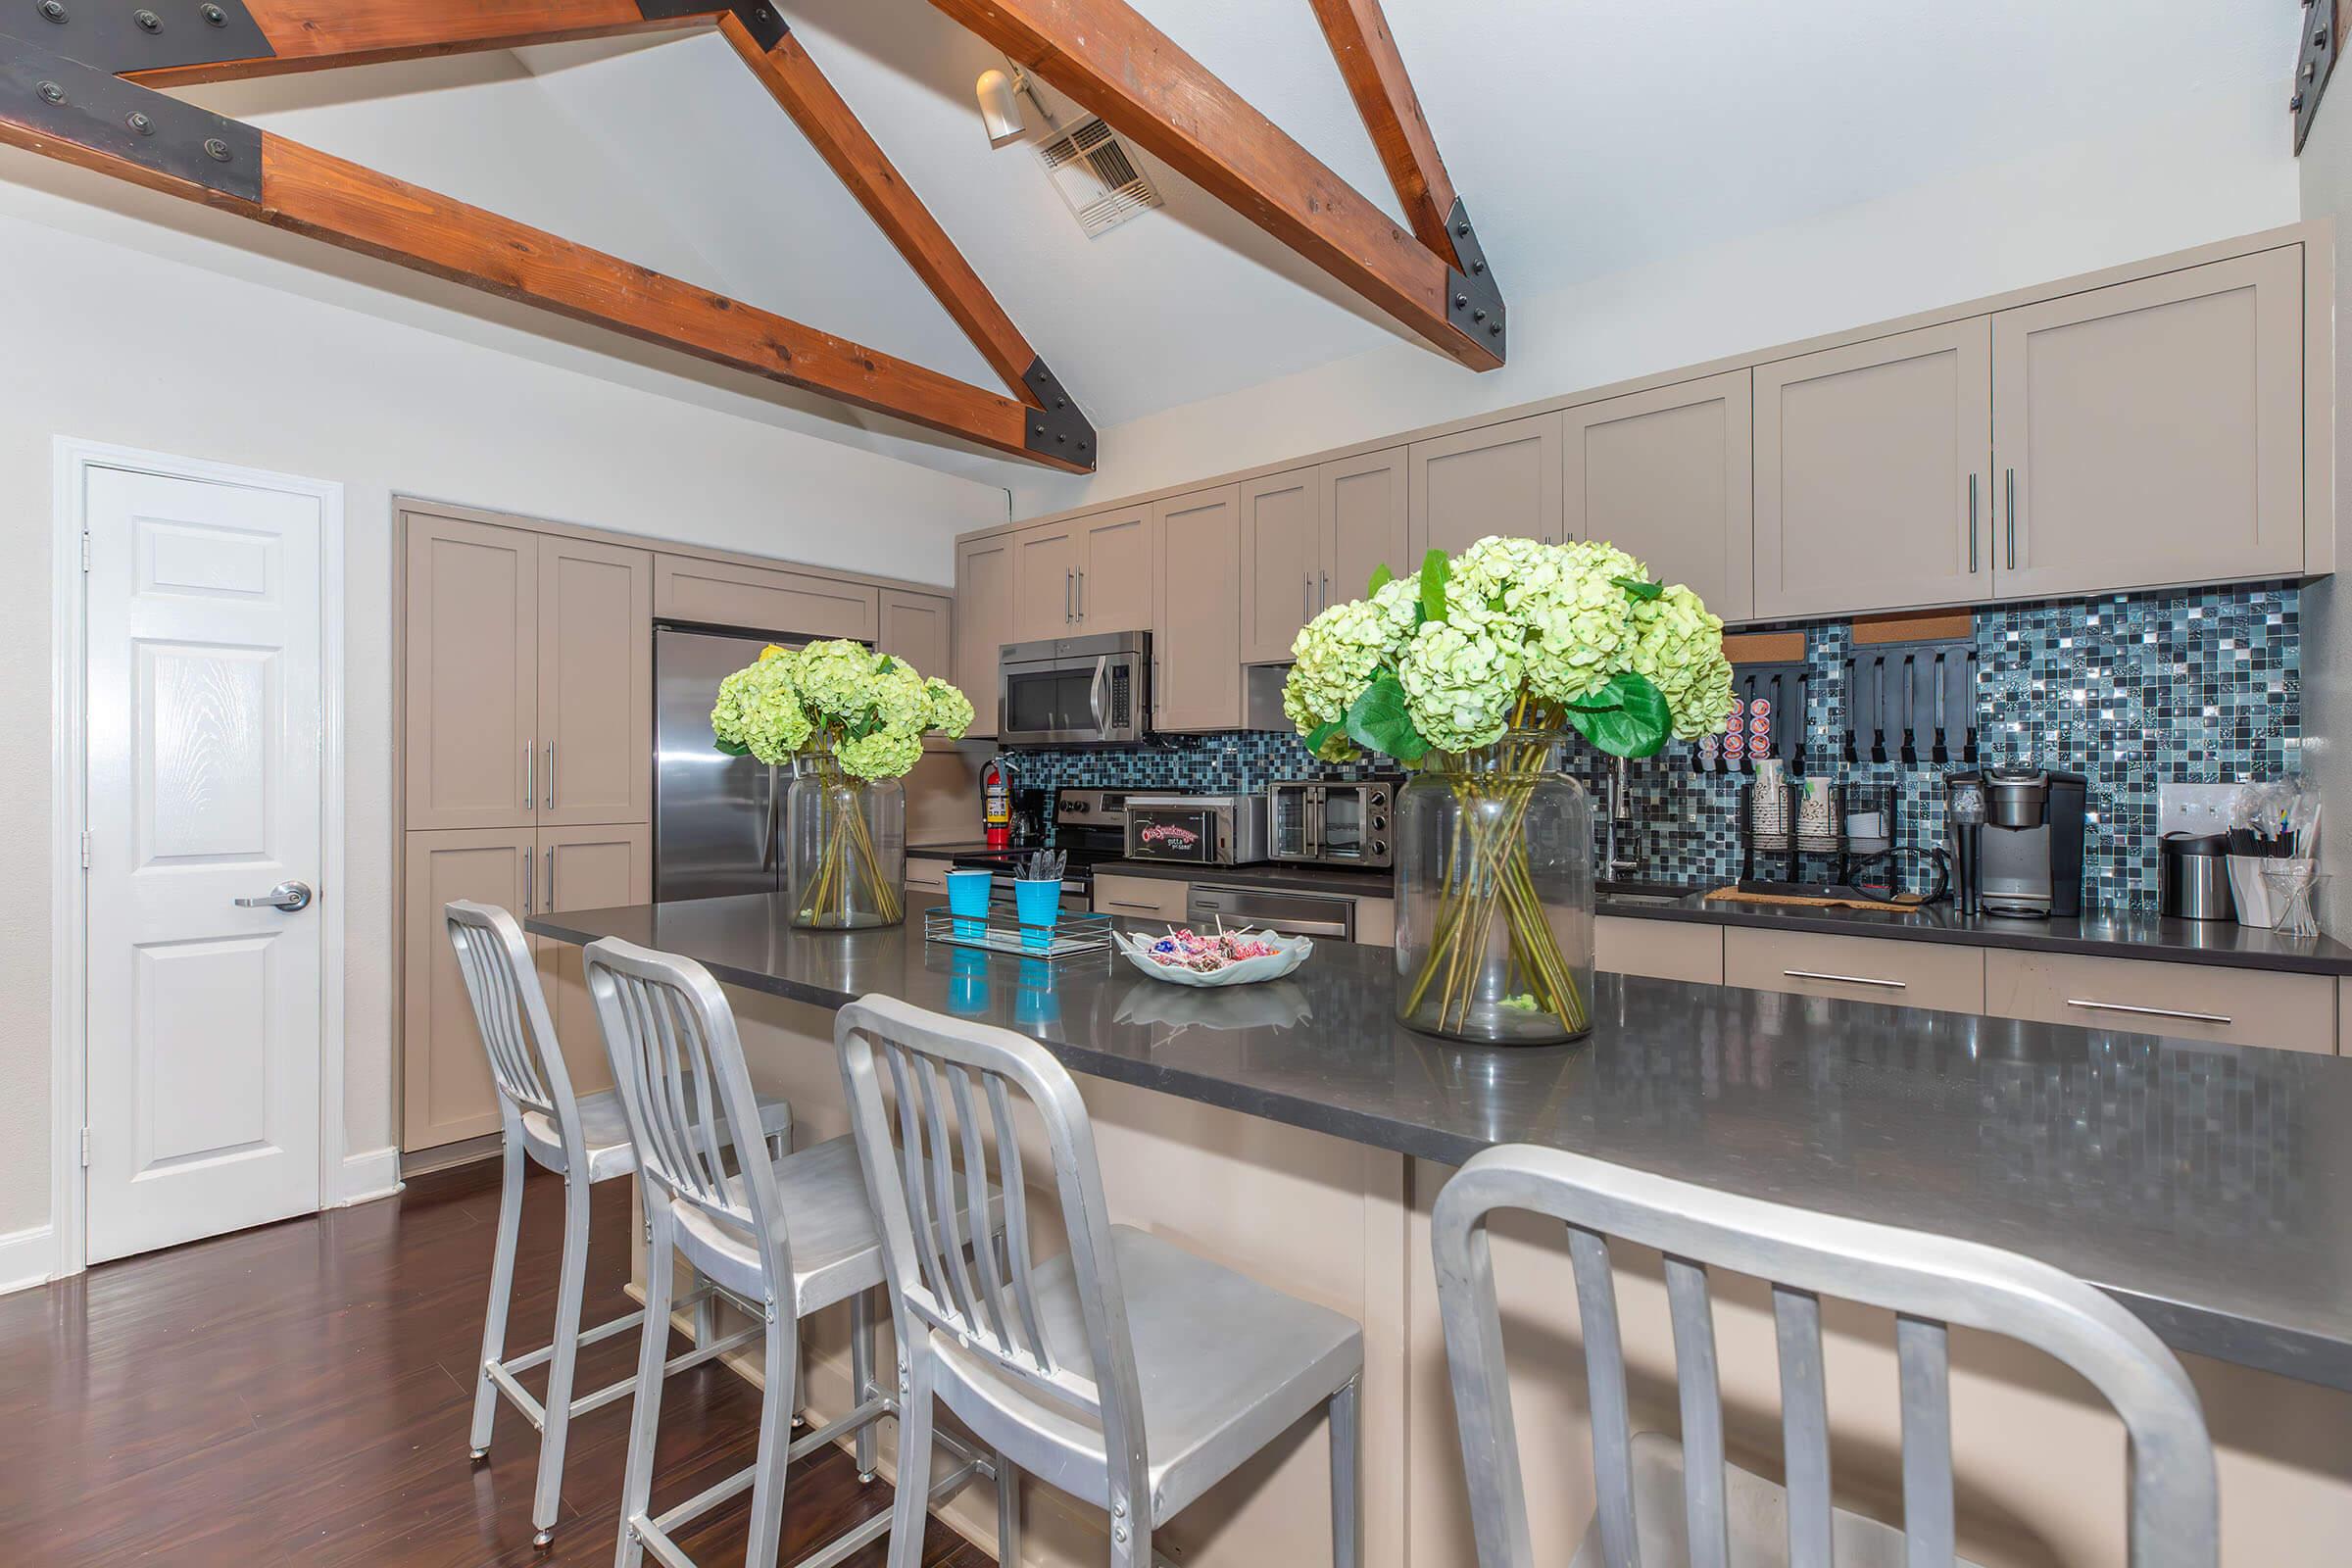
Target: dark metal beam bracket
[1056, 428]
[759, 18]
[1473, 299]
[85, 106]
[2315, 65]
[152, 35]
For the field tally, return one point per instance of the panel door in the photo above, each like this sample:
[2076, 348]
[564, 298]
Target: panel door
[1283, 521]
[586, 869]
[917, 630]
[472, 737]
[203, 666]
[1366, 512]
[1872, 463]
[1500, 480]
[2152, 432]
[1045, 573]
[445, 1091]
[1196, 650]
[1668, 474]
[779, 604]
[596, 682]
[982, 621]
[1115, 573]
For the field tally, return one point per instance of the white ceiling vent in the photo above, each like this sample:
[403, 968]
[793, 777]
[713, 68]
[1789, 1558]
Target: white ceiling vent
[1094, 174]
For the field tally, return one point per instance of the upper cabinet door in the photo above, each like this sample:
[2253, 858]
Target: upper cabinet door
[2152, 432]
[1196, 649]
[596, 682]
[1045, 569]
[1282, 519]
[781, 604]
[915, 628]
[1668, 474]
[1872, 463]
[471, 738]
[1115, 571]
[1498, 480]
[982, 621]
[1365, 504]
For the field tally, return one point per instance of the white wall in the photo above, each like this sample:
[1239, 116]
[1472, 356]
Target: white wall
[2221, 166]
[2325, 168]
[120, 330]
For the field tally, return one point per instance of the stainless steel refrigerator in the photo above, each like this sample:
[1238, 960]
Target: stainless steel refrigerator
[718, 820]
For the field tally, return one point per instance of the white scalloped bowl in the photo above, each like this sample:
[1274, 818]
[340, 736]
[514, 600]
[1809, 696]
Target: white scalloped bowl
[1292, 952]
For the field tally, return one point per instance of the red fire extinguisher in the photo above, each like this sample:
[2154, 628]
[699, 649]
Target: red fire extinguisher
[996, 800]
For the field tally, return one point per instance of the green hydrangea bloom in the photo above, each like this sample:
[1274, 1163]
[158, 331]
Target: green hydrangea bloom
[1678, 643]
[1579, 620]
[1461, 685]
[897, 700]
[885, 754]
[759, 708]
[951, 710]
[835, 681]
[1338, 651]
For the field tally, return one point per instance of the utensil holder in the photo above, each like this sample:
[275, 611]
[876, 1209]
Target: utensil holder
[2255, 905]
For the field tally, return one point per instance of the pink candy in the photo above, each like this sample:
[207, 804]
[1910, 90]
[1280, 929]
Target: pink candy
[1206, 955]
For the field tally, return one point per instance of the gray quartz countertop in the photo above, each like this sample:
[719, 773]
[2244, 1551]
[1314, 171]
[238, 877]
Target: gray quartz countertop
[2118, 934]
[2200, 1185]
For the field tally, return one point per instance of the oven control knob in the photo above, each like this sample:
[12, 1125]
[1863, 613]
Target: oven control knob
[1379, 850]
[1379, 823]
[1073, 807]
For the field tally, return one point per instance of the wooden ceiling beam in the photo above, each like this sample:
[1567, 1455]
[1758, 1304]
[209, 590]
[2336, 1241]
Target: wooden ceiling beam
[1374, 71]
[77, 114]
[851, 153]
[1109, 60]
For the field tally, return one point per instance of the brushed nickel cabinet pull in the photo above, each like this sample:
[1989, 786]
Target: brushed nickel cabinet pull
[1845, 979]
[2012, 502]
[530, 775]
[551, 775]
[530, 878]
[550, 876]
[1082, 593]
[2146, 1012]
[1972, 525]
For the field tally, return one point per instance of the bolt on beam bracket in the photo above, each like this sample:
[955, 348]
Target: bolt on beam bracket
[88, 107]
[119, 38]
[1473, 299]
[1055, 428]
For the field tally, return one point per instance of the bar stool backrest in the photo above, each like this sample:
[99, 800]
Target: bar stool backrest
[685, 1090]
[527, 1062]
[1928, 1281]
[929, 1212]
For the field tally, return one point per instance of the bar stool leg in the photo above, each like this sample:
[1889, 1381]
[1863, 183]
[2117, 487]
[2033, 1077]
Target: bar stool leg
[502, 1296]
[783, 1348]
[1346, 1487]
[548, 1501]
[862, 1376]
[1008, 1514]
[653, 1356]
[910, 1512]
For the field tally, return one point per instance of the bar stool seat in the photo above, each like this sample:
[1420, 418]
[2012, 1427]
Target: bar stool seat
[1224, 1364]
[1755, 1511]
[605, 1134]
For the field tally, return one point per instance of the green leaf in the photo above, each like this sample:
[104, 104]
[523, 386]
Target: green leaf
[1628, 717]
[885, 665]
[732, 747]
[1380, 721]
[1382, 577]
[1322, 732]
[1435, 571]
[1640, 589]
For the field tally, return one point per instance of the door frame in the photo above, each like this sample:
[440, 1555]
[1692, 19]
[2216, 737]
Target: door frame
[71, 461]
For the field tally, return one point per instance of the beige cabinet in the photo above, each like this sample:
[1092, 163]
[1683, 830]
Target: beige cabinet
[586, 869]
[2182, 1001]
[985, 620]
[1366, 512]
[446, 1093]
[1872, 475]
[1498, 480]
[471, 741]
[1901, 974]
[1044, 571]
[2151, 432]
[1668, 474]
[1196, 577]
[1310, 538]
[1115, 571]
[1662, 950]
[596, 682]
[788, 604]
[1140, 897]
[919, 629]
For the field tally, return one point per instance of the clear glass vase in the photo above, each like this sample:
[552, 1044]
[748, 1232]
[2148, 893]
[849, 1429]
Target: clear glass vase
[845, 858]
[1494, 896]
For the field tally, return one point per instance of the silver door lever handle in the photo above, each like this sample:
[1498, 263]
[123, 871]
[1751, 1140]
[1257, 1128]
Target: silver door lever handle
[286, 895]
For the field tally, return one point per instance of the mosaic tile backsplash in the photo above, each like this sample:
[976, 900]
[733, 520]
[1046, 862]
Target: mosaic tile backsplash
[2130, 691]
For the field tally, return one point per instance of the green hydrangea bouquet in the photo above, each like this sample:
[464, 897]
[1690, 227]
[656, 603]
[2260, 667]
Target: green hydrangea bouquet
[1473, 670]
[845, 717]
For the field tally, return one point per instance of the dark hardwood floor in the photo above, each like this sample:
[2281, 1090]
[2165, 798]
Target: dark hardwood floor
[300, 1393]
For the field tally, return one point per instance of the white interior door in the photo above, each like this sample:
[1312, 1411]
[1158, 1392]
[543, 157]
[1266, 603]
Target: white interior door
[204, 703]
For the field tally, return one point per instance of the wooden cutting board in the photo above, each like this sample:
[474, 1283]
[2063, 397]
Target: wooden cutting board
[1901, 903]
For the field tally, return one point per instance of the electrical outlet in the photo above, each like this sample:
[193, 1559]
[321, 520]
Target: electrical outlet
[2194, 808]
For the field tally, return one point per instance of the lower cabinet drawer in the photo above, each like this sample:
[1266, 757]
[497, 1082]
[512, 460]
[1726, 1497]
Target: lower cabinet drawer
[1662, 949]
[928, 874]
[2185, 1000]
[1140, 897]
[1376, 922]
[1901, 974]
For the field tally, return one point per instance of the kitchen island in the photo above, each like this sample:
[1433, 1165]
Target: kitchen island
[1294, 1130]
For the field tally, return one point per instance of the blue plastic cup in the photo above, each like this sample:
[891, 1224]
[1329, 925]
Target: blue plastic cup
[967, 991]
[1037, 906]
[967, 900]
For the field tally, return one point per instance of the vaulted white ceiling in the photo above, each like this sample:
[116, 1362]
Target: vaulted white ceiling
[1588, 136]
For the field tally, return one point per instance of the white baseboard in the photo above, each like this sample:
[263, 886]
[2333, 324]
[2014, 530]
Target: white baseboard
[27, 1257]
[370, 1175]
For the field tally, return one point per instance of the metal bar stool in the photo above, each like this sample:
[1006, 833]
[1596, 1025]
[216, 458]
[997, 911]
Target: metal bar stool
[573, 1136]
[1664, 1502]
[781, 1239]
[1127, 1373]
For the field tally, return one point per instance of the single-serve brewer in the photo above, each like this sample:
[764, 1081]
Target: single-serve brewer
[2016, 841]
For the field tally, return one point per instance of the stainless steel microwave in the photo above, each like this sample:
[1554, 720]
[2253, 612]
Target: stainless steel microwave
[1331, 822]
[1074, 691]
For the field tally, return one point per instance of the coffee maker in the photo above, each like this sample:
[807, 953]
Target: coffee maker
[2016, 841]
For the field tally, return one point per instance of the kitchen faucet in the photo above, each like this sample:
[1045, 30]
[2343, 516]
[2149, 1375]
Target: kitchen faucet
[1617, 807]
